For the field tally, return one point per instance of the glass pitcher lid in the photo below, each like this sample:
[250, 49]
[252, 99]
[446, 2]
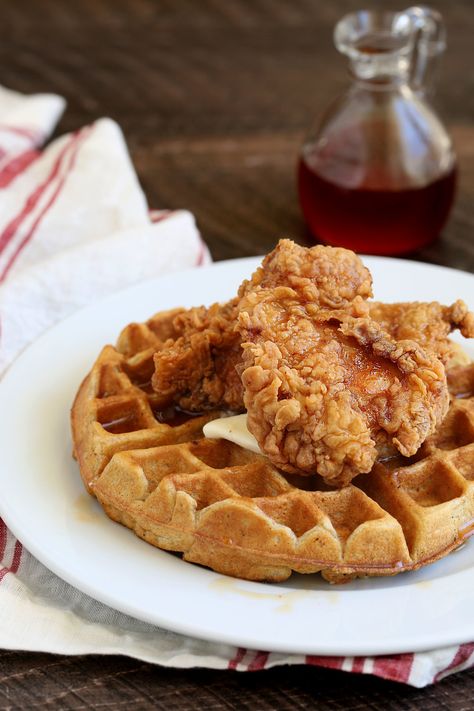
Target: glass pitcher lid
[391, 44]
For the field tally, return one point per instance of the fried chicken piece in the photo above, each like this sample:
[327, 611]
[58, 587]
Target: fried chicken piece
[429, 324]
[326, 391]
[330, 277]
[197, 371]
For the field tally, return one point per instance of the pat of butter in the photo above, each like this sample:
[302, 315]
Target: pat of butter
[234, 429]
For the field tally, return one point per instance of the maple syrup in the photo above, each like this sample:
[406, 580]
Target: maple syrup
[131, 421]
[175, 415]
[377, 173]
[374, 220]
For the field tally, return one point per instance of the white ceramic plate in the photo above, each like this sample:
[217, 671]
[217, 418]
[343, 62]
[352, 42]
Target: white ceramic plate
[43, 502]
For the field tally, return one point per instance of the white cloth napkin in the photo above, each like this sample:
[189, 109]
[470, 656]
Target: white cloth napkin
[74, 226]
[26, 122]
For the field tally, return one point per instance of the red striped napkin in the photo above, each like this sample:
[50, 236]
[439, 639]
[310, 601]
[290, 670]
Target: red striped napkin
[74, 226]
[25, 123]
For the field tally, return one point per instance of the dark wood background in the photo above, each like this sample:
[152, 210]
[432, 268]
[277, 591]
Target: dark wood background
[214, 98]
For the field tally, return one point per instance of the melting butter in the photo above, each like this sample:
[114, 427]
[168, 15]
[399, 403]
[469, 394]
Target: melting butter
[234, 429]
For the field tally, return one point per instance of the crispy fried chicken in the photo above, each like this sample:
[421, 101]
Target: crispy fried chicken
[331, 380]
[197, 370]
[330, 277]
[429, 324]
[326, 391]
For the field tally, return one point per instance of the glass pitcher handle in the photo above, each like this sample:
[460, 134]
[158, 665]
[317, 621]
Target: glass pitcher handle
[429, 43]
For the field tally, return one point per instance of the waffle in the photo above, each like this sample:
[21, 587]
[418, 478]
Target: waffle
[116, 408]
[224, 507]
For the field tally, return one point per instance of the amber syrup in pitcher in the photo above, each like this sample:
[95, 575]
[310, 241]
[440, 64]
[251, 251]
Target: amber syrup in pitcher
[374, 220]
[377, 174]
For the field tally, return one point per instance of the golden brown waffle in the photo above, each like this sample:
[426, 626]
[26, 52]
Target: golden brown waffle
[116, 408]
[231, 510]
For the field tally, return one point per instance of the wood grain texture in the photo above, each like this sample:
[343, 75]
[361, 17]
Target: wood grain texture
[214, 98]
[31, 681]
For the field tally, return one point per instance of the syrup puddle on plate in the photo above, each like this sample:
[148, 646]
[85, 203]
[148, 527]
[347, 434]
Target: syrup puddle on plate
[286, 600]
[87, 510]
[424, 584]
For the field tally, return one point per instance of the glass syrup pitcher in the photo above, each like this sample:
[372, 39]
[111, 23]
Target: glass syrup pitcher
[378, 173]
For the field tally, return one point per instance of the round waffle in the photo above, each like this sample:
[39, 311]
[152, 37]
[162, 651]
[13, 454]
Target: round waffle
[229, 509]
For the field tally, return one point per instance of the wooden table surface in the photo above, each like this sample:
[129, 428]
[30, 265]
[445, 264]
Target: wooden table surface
[214, 99]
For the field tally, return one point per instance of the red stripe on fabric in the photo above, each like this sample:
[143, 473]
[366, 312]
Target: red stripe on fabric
[13, 568]
[396, 667]
[235, 661]
[3, 153]
[327, 662]
[202, 251]
[358, 665]
[17, 165]
[30, 233]
[32, 200]
[462, 655]
[159, 216]
[258, 662]
[31, 133]
[3, 538]
[16, 557]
